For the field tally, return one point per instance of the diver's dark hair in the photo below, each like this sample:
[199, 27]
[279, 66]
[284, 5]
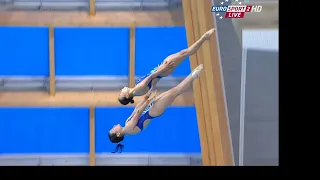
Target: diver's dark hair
[125, 101]
[119, 146]
[115, 139]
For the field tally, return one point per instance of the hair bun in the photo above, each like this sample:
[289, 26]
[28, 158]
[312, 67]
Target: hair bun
[119, 147]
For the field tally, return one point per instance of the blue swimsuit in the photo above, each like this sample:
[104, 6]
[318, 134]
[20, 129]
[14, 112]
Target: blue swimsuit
[152, 71]
[144, 116]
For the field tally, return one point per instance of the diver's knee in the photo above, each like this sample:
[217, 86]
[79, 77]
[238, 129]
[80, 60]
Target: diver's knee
[183, 52]
[174, 91]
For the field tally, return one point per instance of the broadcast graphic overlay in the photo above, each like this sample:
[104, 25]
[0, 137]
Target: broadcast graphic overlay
[234, 9]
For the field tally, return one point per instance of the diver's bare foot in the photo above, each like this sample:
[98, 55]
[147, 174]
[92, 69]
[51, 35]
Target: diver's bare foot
[196, 72]
[208, 34]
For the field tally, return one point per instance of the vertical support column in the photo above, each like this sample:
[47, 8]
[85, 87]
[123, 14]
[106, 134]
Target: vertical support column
[188, 16]
[92, 153]
[92, 7]
[52, 74]
[204, 90]
[220, 127]
[132, 56]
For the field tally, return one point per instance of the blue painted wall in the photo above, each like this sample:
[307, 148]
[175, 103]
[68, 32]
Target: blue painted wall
[44, 130]
[176, 131]
[24, 51]
[66, 130]
[92, 51]
[154, 44]
[88, 51]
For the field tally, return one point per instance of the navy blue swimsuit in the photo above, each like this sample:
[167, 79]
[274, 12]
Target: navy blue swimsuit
[144, 116]
[152, 71]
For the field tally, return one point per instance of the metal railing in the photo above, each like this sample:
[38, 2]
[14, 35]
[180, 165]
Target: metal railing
[84, 4]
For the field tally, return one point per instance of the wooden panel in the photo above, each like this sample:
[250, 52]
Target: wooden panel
[220, 129]
[52, 73]
[196, 85]
[92, 7]
[132, 57]
[115, 18]
[92, 153]
[92, 24]
[213, 125]
[203, 79]
[76, 99]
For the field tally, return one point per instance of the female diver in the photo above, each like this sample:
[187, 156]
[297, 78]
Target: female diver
[162, 70]
[150, 108]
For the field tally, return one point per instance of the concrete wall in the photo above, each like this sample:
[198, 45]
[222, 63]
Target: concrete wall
[261, 115]
[261, 123]
[261, 120]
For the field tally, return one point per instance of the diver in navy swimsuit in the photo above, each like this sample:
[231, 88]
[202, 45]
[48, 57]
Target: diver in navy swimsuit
[150, 107]
[145, 83]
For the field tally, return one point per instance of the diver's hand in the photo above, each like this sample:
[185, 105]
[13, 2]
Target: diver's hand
[149, 93]
[152, 95]
[170, 64]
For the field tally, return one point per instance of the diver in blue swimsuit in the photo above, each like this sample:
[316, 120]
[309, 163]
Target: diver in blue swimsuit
[150, 107]
[145, 83]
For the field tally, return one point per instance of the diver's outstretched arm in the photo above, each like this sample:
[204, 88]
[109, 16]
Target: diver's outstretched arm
[145, 98]
[143, 104]
[164, 67]
[138, 111]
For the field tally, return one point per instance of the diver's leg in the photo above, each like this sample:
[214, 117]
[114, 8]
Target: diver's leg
[165, 99]
[180, 56]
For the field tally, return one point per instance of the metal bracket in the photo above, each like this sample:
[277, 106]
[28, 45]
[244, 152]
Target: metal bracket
[3, 82]
[41, 6]
[141, 5]
[45, 84]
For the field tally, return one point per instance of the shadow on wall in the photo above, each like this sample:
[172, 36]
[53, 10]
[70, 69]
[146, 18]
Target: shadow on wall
[88, 51]
[66, 130]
